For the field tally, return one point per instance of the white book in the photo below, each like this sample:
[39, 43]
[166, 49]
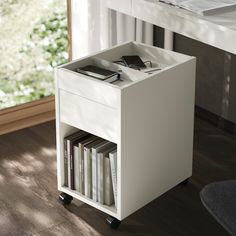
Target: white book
[81, 145]
[69, 163]
[101, 175]
[77, 167]
[108, 194]
[88, 167]
[95, 150]
[88, 172]
[113, 162]
[100, 158]
[70, 142]
[94, 168]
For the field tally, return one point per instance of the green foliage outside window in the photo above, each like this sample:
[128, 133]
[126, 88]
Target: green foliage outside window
[32, 51]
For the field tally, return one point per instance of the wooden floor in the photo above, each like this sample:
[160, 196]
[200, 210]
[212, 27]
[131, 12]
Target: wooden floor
[28, 193]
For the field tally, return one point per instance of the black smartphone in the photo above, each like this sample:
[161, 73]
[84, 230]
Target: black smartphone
[134, 62]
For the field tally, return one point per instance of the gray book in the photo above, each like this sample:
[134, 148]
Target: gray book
[76, 167]
[81, 145]
[77, 161]
[108, 193]
[101, 175]
[95, 150]
[69, 142]
[88, 167]
[113, 164]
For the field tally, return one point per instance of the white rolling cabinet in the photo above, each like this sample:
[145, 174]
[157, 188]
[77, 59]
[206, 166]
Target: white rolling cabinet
[149, 117]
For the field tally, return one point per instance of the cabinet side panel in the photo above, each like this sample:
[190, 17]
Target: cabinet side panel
[156, 135]
[60, 174]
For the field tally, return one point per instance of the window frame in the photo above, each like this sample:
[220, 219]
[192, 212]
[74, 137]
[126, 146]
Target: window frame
[35, 112]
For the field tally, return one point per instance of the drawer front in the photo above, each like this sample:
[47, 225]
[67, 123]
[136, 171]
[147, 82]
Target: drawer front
[92, 89]
[90, 116]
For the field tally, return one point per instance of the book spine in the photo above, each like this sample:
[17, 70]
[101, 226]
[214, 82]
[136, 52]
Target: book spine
[76, 167]
[87, 173]
[109, 196]
[100, 159]
[113, 164]
[72, 177]
[94, 174]
[65, 164]
[68, 164]
[82, 169]
[86, 191]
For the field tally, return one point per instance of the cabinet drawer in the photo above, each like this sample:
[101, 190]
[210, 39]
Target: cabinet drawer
[88, 115]
[92, 89]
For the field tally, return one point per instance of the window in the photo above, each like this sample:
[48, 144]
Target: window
[33, 39]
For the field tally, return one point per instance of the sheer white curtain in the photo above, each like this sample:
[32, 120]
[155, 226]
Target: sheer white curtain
[126, 28]
[94, 27]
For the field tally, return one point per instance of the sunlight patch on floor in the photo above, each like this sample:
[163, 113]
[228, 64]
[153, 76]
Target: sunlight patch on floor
[51, 152]
[35, 216]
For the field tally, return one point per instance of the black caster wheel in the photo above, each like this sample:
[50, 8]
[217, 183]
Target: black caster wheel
[65, 198]
[184, 182]
[113, 222]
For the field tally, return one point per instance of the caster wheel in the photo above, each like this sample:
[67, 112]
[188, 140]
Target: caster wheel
[184, 182]
[113, 222]
[65, 198]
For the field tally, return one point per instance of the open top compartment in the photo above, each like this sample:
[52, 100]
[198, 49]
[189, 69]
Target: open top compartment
[156, 59]
[127, 75]
[159, 57]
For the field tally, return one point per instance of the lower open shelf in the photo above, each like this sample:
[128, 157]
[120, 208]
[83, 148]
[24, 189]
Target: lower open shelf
[110, 210]
[80, 168]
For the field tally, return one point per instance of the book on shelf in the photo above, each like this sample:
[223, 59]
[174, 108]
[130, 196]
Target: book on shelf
[204, 7]
[78, 162]
[71, 144]
[101, 173]
[81, 161]
[88, 167]
[76, 166]
[95, 150]
[68, 156]
[99, 73]
[65, 162]
[113, 163]
[108, 193]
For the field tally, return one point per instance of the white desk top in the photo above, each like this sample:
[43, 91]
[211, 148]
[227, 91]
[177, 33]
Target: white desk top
[216, 30]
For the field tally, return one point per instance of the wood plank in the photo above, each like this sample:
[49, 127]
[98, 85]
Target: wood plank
[27, 122]
[26, 115]
[28, 196]
[26, 105]
[23, 111]
[36, 112]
